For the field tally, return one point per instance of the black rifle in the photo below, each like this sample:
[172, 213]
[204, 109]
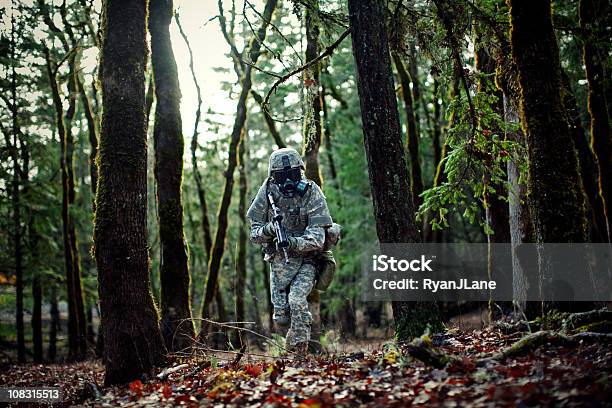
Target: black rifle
[282, 241]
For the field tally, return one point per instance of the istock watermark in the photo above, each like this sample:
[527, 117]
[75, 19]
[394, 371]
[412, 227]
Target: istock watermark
[479, 272]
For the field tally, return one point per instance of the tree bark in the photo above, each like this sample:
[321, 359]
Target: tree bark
[194, 148]
[557, 201]
[412, 139]
[593, 14]
[242, 235]
[217, 250]
[312, 134]
[589, 171]
[329, 148]
[269, 122]
[55, 324]
[177, 324]
[313, 122]
[520, 221]
[16, 202]
[77, 341]
[389, 183]
[133, 343]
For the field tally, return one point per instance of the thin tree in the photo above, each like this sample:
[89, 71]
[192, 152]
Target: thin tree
[217, 250]
[133, 344]
[389, 182]
[15, 193]
[177, 324]
[241, 264]
[593, 15]
[77, 331]
[77, 326]
[312, 133]
[412, 133]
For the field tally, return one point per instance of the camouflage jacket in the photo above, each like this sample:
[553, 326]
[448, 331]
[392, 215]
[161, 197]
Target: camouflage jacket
[304, 217]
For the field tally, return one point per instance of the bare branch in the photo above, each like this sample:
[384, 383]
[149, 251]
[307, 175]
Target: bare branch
[328, 51]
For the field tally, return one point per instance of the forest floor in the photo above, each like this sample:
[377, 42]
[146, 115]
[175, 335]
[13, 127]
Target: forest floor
[547, 370]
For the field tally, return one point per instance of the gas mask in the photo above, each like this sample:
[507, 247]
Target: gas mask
[289, 179]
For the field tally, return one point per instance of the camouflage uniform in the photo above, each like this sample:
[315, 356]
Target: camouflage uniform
[305, 218]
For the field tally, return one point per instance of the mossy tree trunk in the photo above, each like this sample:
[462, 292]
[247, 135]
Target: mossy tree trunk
[312, 133]
[389, 182]
[593, 14]
[218, 246]
[133, 344]
[412, 138]
[177, 324]
[589, 171]
[557, 200]
[312, 129]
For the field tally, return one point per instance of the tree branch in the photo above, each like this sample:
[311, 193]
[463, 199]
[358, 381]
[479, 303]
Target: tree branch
[328, 51]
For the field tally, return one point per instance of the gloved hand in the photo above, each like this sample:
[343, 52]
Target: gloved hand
[268, 230]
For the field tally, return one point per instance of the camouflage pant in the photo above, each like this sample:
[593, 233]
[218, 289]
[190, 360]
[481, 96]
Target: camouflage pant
[289, 286]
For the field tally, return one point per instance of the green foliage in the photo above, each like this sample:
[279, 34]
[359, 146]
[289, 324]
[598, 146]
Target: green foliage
[476, 160]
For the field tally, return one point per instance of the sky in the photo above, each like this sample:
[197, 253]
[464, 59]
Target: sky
[209, 51]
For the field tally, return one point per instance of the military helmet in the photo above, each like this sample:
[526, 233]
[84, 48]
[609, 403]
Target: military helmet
[279, 159]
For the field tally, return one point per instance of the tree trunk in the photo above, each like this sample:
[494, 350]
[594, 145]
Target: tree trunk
[55, 324]
[437, 125]
[329, 148]
[521, 226]
[312, 132]
[80, 324]
[313, 122]
[242, 235]
[16, 204]
[555, 190]
[593, 14]
[389, 183]
[218, 247]
[133, 344]
[37, 336]
[92, 131]
[77, 342]
[496, 208]
[269, 121]
[194, 148]
[557, 201]
[429, 234]
[412, 139]
[588, 166]
[177, 324]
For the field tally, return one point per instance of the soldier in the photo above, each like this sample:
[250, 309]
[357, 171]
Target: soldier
[310, 231]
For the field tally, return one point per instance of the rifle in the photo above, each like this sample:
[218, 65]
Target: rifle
[282, 241]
